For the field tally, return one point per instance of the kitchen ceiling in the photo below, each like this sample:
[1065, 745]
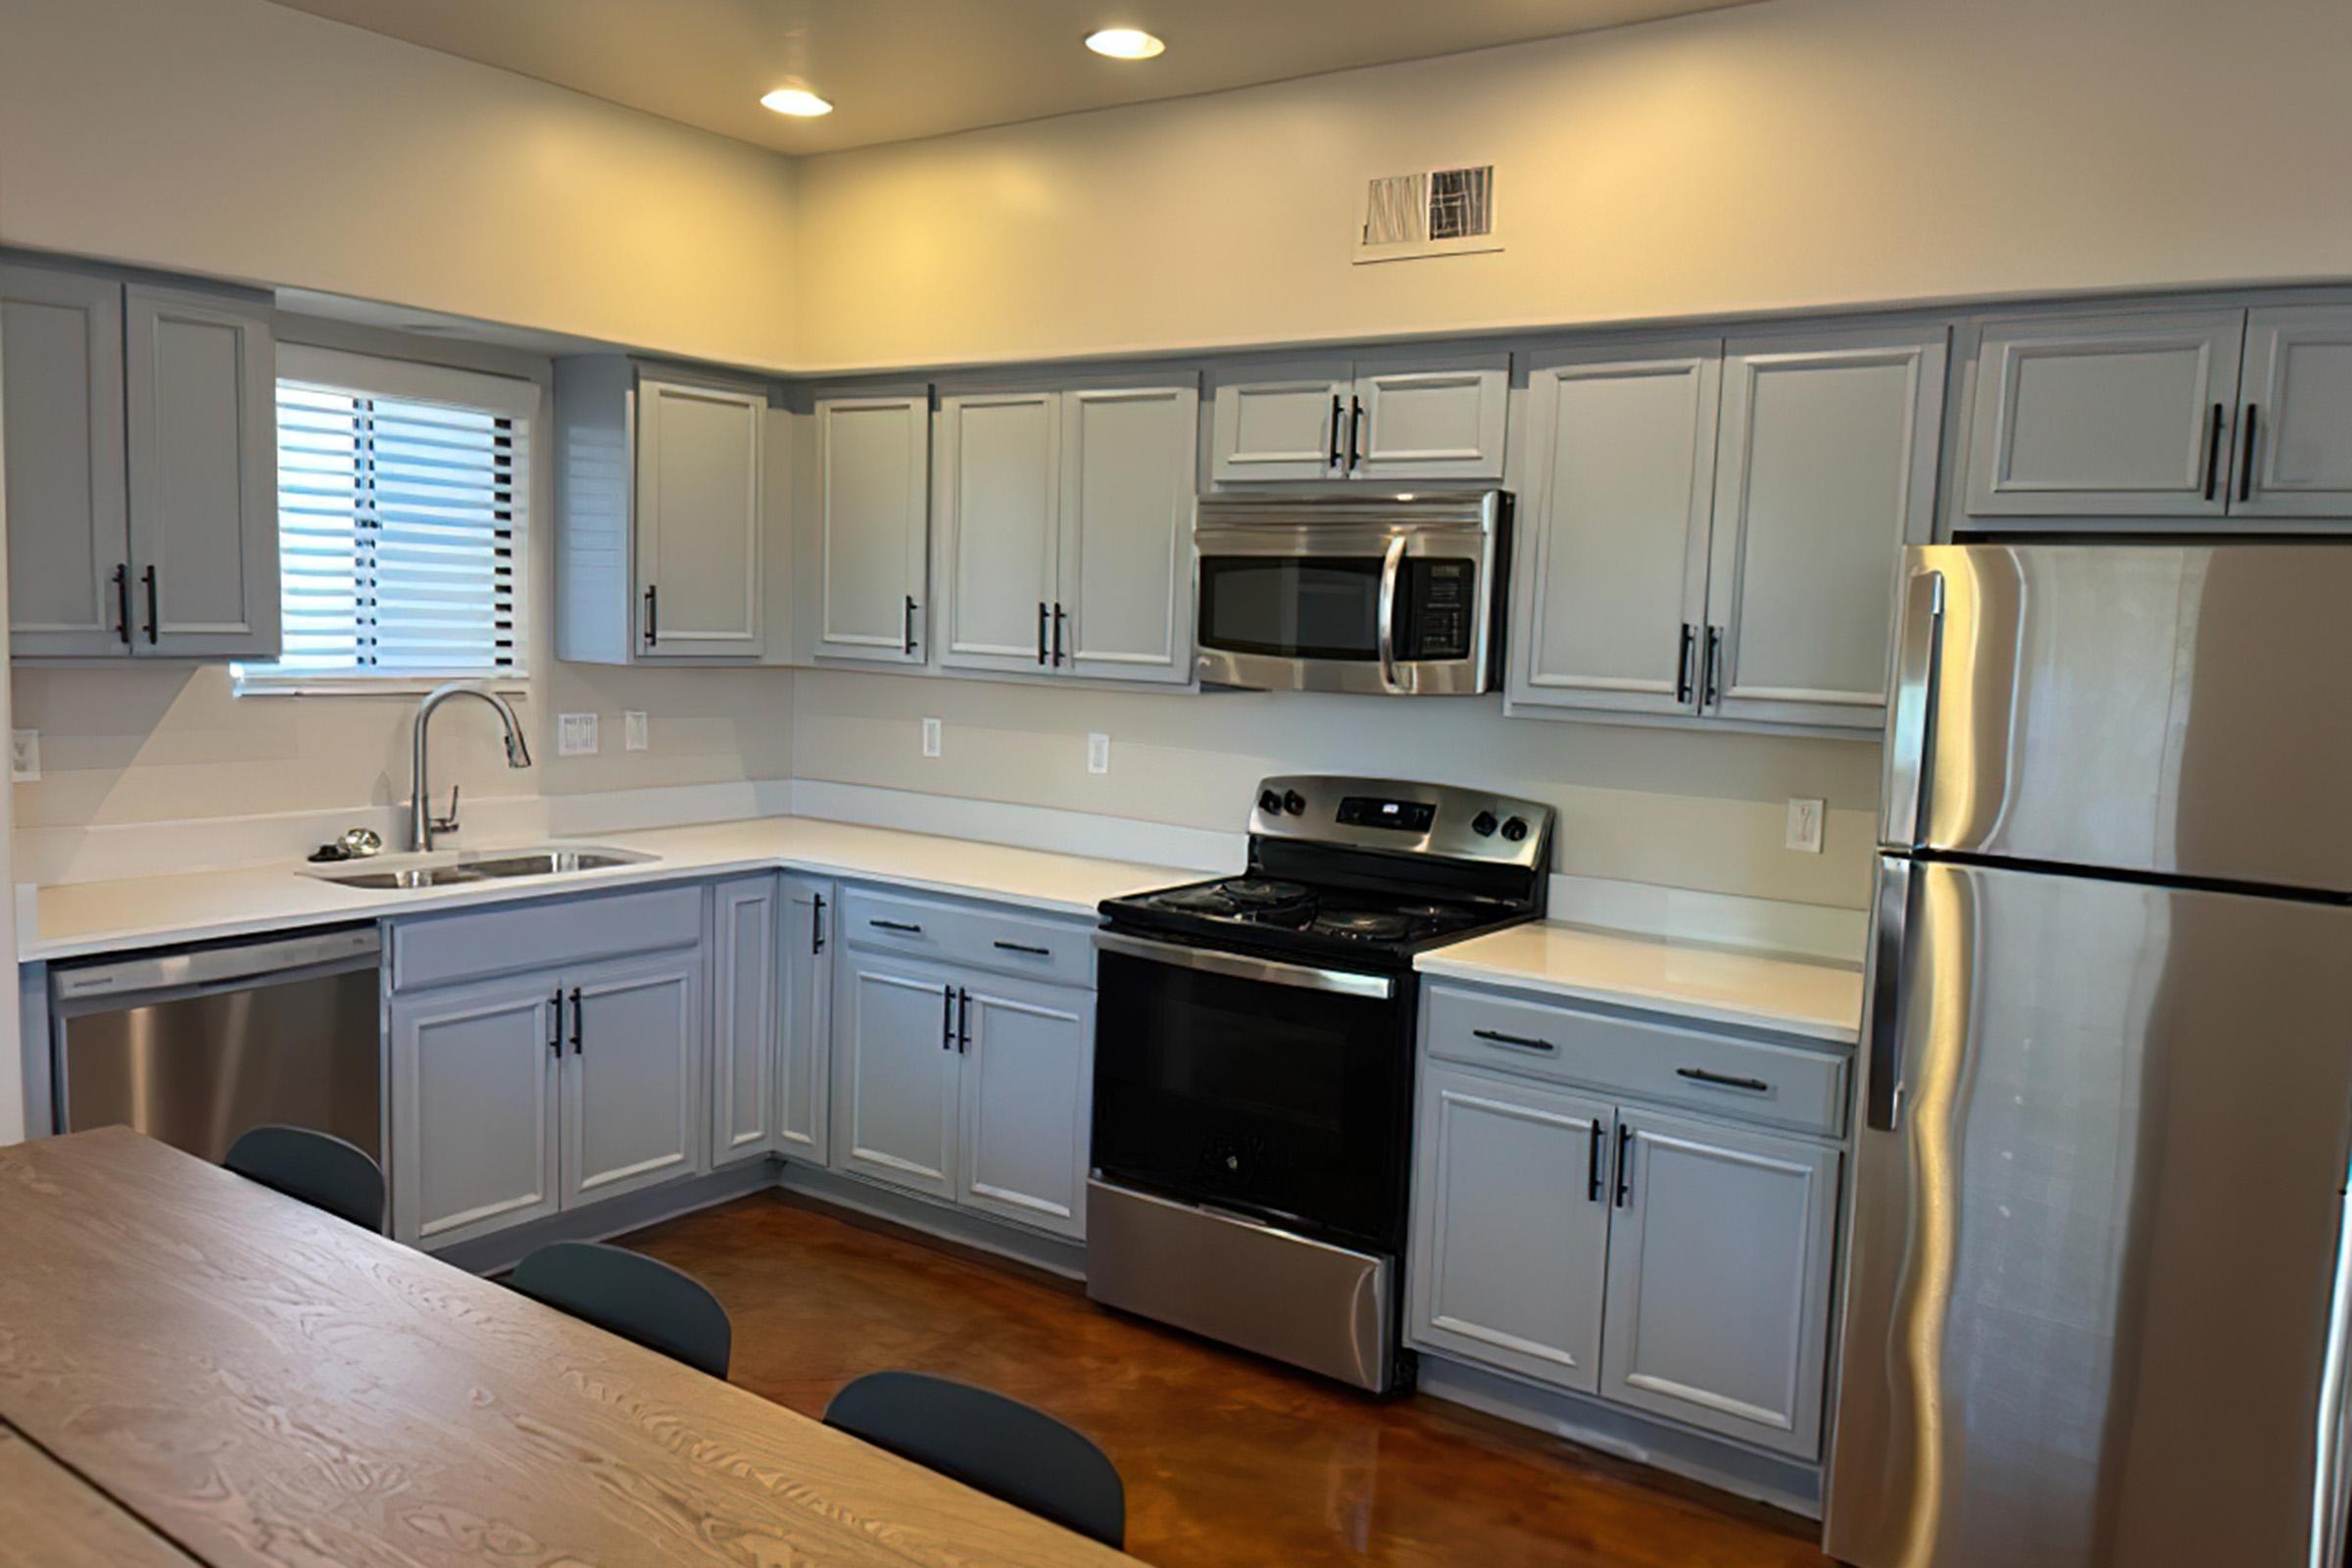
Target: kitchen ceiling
[901, 68]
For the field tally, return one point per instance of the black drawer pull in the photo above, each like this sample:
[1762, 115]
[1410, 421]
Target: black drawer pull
[1700, 1075]
[907, 926]
[1523, 1041]
[1625, 1167]
[1023, 947]
[1593, 1170]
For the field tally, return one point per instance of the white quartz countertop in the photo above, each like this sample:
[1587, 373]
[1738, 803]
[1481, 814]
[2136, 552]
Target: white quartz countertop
[1722, 985]
[88, 917]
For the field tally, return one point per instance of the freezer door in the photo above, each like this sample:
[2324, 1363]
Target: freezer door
[2177, 711]
[2092, 1305]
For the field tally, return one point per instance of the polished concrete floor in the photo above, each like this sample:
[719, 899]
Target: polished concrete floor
[1228, 1459]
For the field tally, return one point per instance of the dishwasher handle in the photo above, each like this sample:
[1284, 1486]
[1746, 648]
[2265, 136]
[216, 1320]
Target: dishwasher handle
[161, 971]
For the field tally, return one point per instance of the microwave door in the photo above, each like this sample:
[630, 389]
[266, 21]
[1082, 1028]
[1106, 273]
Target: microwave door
[1290, 623]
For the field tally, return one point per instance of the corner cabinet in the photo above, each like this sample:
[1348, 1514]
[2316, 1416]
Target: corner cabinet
[873, 482]
[661, 517]
[1064, 532]
[1712, 530]
[1404, 417]
[769, 1018]
[142, 471]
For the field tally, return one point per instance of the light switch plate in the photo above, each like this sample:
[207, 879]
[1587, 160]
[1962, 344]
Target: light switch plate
[930, 737]
[25, 755]
[575, 734]
[1097, 753]
[1804, 825]
[636, 732]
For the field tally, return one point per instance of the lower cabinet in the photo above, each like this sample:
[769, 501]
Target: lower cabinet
[1666, 1263]
[768, 1017]
[896, 1073]
[630, 1118]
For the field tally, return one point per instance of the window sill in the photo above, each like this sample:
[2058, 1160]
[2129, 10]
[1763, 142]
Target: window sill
[405, 688]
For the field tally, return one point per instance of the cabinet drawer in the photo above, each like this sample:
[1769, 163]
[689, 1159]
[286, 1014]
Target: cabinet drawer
[1783, 1085]
[542, 934]
[1058, 951]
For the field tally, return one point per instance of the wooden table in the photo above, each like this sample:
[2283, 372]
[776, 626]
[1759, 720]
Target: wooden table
[198, 1370]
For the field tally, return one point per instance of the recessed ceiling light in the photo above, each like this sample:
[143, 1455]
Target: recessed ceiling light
[798, 102]
[1124, 43]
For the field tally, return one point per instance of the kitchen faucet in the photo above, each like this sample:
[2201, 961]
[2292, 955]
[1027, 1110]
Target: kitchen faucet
[422, 825]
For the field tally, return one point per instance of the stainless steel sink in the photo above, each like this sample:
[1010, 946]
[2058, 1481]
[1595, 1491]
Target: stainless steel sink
[419, 871]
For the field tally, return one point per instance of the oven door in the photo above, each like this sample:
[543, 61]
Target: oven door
[1274, 1090]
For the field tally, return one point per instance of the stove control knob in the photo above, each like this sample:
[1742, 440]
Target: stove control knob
[1270, 804]
[1515, 829]
[1295, 804]
[1483, 824]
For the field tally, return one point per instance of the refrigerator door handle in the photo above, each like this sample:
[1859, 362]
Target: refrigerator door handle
[1883, 1068]
[1911, 722]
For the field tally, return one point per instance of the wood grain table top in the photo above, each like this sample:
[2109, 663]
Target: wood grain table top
[262, 1383]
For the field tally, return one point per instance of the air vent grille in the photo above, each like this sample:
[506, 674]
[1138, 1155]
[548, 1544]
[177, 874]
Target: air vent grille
[1438, 212]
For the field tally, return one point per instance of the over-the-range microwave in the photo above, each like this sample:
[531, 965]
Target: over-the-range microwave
[1397, 594]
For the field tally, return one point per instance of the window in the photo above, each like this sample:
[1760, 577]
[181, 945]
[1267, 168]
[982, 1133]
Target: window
[402, 498]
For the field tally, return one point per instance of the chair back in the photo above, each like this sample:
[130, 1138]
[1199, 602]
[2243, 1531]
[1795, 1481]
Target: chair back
[635, 1297]
[986, 1441]
[319, 1168]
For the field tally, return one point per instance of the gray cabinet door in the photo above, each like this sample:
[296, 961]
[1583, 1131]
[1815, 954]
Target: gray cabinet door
[61, 353]
[1825, 467]
[1511, 1238]
[804, 1059]
[1027, 1097]
[2293, 455]
[1620, 475]
[474, 1108]
[700, 481]
[630, 1113]
[1286, 421]
[1125, 567]
[747, 1021]
[202, 431]
[874, 499]
[2100, 416]
[894, 1072]
[1719, 1280]
[998, 459]
[1431, 418]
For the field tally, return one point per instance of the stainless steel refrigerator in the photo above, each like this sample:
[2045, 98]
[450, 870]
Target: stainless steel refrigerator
[2096, 1299]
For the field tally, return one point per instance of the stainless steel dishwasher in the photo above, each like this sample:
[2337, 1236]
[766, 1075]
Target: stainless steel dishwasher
[198, 1045]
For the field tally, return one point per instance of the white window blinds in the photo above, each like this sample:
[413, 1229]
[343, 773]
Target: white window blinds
[402, 501]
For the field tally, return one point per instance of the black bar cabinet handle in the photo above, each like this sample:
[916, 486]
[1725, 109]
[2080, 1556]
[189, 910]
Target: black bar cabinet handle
[1523, 1041]
[1058, 617]
[653, 622]
[1592, 1168]
[575, 1020]
[906, 636]
[817, 925]
[123, 603]
[554, 1024]
[2246, 468]
[1700, 1075]
[1355, 423]
[1335, 430]
[1041, 631]
[1625, 1175]
[907, 926]
[2213, 452]
[1714, 672]
[963, 1020]
[1023, 947]
[152, 617]
[946, 1017]
[1681, 663]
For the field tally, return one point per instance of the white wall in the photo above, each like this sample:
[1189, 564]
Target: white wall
[1788, 155]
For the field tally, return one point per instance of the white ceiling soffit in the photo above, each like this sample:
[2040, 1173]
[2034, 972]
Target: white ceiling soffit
[895, 70]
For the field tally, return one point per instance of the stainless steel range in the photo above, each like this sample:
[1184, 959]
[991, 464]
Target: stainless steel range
[1254, 1064]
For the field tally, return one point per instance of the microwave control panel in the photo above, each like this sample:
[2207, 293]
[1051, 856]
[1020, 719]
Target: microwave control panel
[1439, 602]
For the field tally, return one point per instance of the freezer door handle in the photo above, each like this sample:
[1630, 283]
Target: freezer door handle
[1911, 724]
[1884, 1065]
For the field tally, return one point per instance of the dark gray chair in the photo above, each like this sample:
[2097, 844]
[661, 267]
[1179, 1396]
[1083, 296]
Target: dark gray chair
[319, 1168]
[986, 1441]
[635, 1297]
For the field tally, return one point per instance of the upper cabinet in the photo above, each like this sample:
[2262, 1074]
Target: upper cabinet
[662, 536]
[873, 482]
[142, 479]
[1403, 417]
[2162, 416]
[1065, 532]
[1712, 530]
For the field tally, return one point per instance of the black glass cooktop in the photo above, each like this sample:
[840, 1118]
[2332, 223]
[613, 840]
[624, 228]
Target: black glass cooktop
[1267, 913]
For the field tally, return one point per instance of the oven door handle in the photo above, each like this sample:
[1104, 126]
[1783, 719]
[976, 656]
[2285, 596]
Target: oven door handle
[1243, 967]
[1390, 564]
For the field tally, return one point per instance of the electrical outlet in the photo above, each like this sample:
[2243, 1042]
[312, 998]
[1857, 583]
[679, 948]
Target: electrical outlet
[634, 732]
[575, 734]
[930, 737]
[1098, 754]
[1804, 825]
[25, 755]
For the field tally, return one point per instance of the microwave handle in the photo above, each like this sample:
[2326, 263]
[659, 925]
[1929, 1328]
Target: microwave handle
[1390, 565]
